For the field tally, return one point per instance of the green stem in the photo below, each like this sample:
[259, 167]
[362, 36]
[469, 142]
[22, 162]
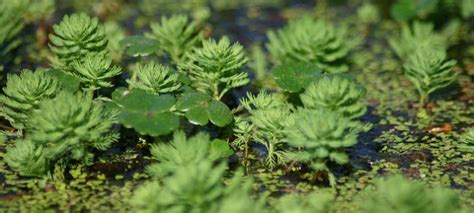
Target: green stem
[422, 102]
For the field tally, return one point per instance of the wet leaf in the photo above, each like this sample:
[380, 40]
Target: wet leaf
[295, 76]
[219, 114]
[140, 46]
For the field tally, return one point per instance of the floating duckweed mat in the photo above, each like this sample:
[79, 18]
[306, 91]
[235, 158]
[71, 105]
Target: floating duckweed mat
[236, 106]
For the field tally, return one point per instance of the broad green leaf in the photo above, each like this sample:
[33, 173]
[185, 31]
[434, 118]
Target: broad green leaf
[68, 82]
[148, 114]
[191, 100]
[140, 101]
[154, 124]
[197, 115]
[219, 114]
[220, 149]
[140, 46]
[295, 76]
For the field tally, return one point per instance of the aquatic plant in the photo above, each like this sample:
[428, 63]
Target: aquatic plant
[28, 159]
[196, 188]
[429, 70]
[319, 136]
[67, 127]
[115, 34]
[155, 79]
[418, 35]
[11, 22]
[216, 67]
[95, 70]
[75, 37]
[310, 41]
[317, 201]
[176, 35]
[336, 93]
[467, 141]
[23, 94]
[268, 112]
[182, 152]
[396, 194]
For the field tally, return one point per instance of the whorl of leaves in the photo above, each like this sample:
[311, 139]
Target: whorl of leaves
[76, 36]
[216, 67]
[336, 93]
[318, 136]
[429, 70]
[155, 78]
[23, 94]
[418, 35]
[95, 70]
[396, 194]
[310, 41]
[176, 35]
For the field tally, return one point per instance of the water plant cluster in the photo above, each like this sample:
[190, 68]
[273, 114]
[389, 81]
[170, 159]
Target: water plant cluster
[172, 111]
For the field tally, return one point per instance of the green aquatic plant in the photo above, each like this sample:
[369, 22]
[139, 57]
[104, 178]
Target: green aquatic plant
[318, 201]
[176, 35]
[75, 37]
[115, 35]
[294, 77]
[466, 142]
[67, 127]
[196, 188]
[146, 113]
[397, 194]
[28, 159]
[429, 70]
[200, 108]
[319, 136]
[418, 35]
[95, 71]
[268, 112]
[309, 41]
[216, 67]
[24, 93]
[155, 78]
[183, 152]
[72, 124]
[11, 22]
[336, 93]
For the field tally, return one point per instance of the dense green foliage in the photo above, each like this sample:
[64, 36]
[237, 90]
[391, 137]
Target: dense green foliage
[336, 93]
[75, 37]
[216, 67]
[307, 40]
[64, 128]
[418, 35]
[396, 194]
[155, 78]
[23, 94]
[176, 35]
[182, 152]
[429, 70]
[319, 136]
[12, 23]
[154, 106]
[95, 70]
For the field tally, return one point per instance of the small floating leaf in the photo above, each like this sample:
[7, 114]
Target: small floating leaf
[148, 114]
[295, 76]
[197, 115]
[219, 113]
[199, 108]
[140, 46]
[220, 149]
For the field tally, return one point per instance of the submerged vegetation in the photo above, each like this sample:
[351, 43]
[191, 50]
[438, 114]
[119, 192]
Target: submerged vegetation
[236, 106]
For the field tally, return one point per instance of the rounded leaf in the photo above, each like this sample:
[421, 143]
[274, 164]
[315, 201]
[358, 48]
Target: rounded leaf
[219, 114]
[295, 76]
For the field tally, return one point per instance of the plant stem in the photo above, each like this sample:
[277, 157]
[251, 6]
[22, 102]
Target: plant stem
[422, 102]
